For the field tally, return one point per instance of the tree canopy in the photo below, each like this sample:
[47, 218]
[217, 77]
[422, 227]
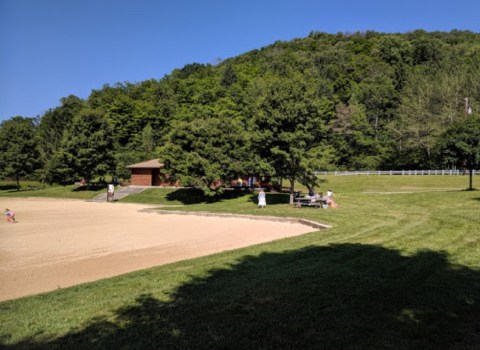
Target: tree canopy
[289, 127]
[460, 145]
[19, 154]
[356, 101]
[86, 149]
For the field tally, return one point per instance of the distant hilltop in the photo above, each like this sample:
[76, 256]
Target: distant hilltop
[363, 100]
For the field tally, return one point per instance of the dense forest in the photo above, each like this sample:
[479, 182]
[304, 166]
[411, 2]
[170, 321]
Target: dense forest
[362, 100]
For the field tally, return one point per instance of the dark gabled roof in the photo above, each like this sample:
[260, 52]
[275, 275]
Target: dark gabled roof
[149, 164]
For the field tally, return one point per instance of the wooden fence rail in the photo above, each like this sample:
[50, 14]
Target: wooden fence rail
[398, 172]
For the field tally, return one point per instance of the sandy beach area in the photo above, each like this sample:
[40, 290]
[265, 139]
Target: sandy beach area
[60, 243]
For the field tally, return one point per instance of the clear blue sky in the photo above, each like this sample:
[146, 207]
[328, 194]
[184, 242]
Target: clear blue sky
[50, 49]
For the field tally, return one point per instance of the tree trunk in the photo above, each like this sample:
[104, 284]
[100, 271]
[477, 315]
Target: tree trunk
[18, 182]
[471, 179]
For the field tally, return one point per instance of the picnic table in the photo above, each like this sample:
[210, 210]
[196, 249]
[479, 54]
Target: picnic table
[310, 202]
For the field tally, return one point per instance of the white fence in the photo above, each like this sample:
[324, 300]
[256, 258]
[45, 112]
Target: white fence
[397, 172]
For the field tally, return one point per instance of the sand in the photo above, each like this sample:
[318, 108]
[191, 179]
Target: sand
[61, 243]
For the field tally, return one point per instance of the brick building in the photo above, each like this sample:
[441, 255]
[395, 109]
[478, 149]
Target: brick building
[148, 174]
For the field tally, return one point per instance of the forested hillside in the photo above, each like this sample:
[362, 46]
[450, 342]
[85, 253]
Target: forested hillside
[346, 101]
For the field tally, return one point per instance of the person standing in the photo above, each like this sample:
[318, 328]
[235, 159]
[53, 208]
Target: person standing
[262, 199]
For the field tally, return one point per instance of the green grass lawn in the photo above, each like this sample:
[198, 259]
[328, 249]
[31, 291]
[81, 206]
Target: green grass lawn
[400, 269]
[33, 189]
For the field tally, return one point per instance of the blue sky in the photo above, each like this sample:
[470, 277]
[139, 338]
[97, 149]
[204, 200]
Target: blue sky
[50, 49]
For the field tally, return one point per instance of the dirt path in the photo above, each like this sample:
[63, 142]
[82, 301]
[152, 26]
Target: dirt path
[60, 243]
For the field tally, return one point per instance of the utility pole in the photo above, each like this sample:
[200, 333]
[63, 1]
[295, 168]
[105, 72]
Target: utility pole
[468, 109]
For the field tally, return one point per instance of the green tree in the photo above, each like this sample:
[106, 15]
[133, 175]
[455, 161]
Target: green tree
[354, 138]
[376, 91]
[142, 147]
[229, 76]
[57, 170]
[53, 124]
[87, 148]
[203, 151]
[404, 90]
[431, 101]
[460, 145]
[289, 127]
[127, 156]
[398, 52]
[427, 50]
[19, 154]
[147, 139]
[123, 117]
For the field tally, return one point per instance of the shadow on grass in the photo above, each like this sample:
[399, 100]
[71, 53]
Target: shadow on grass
[196, 196]
[346, 296]
[93, 188]
[470, 190]
[8, 187]
[11, 189]
[272, 198]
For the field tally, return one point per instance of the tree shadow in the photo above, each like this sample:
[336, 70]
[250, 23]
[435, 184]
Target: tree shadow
[196, 196]
[7, 187]
[345, 296]
[90, 187]
[14, 189]
[272, 198]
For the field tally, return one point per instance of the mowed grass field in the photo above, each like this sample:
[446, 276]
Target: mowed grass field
[35, 189]
[399, 269]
